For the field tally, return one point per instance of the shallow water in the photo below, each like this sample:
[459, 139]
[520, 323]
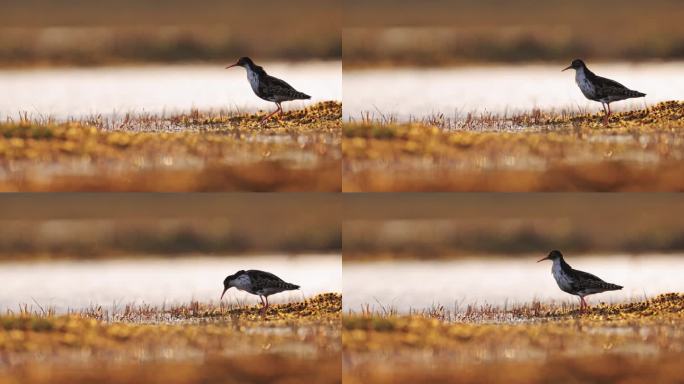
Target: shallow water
[113, 284]
[406, 285]
[454, 92]
[115, 91]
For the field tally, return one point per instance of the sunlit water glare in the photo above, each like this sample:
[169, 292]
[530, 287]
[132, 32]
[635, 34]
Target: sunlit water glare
[406, 285]
[75, 285]
[114, 91]
[455, 92]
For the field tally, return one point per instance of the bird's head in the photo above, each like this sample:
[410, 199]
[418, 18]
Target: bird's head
[244, 62]
[230, 280]
[576, 64]
[553, 255]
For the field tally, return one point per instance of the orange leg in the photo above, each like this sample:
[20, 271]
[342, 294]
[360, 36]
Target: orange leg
[272, 113]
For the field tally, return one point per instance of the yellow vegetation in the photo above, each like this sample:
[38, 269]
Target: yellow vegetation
[192, 343]
[298, 151]
[638, 150]
[536, 338]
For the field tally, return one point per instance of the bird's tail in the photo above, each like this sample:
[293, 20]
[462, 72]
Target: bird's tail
[302, 96]
[631, 93]
[290, 287]
[614, 287]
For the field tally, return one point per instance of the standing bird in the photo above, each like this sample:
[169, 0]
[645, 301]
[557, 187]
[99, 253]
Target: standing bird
[268, 87]
[599, 88]
[257, 282]
[576, 282]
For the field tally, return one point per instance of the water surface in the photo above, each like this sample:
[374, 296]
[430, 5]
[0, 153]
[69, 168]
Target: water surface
[455, 92]
[407, 285]
[114, 91]
[75, 285]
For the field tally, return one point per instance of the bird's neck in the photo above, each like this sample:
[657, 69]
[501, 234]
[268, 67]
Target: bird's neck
[559, 265]
[584, 73]
[254, 77]
[255, 70]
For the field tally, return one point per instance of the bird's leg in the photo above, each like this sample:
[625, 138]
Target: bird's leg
[263, 305]
[270, 114]
[606, 112]
[583, 304]
[266, 301]
[280, 107]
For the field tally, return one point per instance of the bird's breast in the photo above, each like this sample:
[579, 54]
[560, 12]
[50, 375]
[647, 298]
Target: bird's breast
[253, 79]
[243, 283]
[562, 279]
[585, 85]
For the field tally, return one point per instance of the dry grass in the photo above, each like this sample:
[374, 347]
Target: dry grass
[534, 344]
[195, 152]
[633, 151]
[194, 343]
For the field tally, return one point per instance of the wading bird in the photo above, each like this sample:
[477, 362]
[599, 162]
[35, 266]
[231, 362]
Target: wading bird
[258, 283]
[268, 87]
[598, 88]
[576, 282]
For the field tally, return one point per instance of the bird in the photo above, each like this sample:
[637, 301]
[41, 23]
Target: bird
[576, 282]
[268, 87]
[599, 88]
[258, 283]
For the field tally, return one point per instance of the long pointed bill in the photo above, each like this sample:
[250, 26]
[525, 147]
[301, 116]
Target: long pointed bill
[231, 66]
[546, 258]
[565, 69]
[224, 292]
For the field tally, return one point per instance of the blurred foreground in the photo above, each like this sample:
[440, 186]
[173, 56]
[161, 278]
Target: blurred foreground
[641, 150]
[192, 343]
[635, 342]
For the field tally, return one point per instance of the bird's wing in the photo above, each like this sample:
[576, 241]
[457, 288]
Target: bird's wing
[262, 275]
[262, 280]
[587, 280]
[274, 85]
[608, 87]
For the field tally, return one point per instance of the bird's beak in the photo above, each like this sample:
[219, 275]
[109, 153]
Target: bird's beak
[231, 66]
[224, 292]
[546, 258]
[565, 69]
